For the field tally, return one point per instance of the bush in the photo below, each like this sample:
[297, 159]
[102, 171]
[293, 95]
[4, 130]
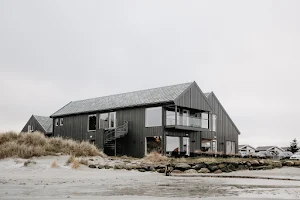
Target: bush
[27, 145]
[155, 157]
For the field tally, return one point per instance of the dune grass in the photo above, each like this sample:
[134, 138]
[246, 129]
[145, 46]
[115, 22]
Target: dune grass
[27, 145]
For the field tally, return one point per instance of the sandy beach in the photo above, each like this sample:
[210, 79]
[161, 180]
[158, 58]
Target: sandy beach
[40, 181]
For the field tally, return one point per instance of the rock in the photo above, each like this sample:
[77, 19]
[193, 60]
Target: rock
[248, 164]
[277, 164]
[204, 170]
[92, 166]
[191, 171]
[289, 163]
[231, 167]
[199, 166]
[222, 166]
[242, 167]
[159, 166]
[262, 162]
[91, 159]
[160, 170]
[218, 171]
[119, 166]
[141, 170]
[213, 168]
[100, 166]
[254, 163]
[296, 163]
[107, 167]
[259, 168]
[182, 166]
[29, 162]
[176, 171]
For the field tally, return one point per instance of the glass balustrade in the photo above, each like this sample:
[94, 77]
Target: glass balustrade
[183, 120]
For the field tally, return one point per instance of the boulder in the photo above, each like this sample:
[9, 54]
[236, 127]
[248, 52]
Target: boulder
[204, 170]
[100, 166]
[176, 171]
[29, 162]
[248, 164]
[231, 167]
[213, 168]
[222, 166]
[296, 163]
[141, 170]
[119, 166]
[289, 163]
[191, 171]
[218, 171]
[182, 166]
[199, 166]
[261, 162]
[254, 163]
[242, 167]
[92, 166]
[160, 170]
[277, 164]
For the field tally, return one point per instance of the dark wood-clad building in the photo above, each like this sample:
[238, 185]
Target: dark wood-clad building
[39, 123]
[173, 119]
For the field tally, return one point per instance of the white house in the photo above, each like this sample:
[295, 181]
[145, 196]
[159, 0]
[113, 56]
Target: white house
[273, 149]
[246, 149]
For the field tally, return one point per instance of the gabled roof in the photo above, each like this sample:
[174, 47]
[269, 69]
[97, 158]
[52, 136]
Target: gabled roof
[245, 145]
[45, 122]
[130, 99]
[265, 148]
[207, 94]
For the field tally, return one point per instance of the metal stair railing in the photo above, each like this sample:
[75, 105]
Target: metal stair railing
[118, 132]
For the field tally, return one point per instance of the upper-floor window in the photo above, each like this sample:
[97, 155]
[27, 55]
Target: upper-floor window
[107, 120]
[214, 122]
[61, 121]
[92, 120]
[56, 122]
[153, 116]
[204, 119]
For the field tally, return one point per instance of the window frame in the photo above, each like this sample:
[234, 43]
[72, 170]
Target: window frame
[159, 117]
[56, 122]
[214, 122]
[61, 122]
[101, 119]
[88, 124]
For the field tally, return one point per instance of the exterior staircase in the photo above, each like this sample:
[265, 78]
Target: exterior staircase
[111, 136]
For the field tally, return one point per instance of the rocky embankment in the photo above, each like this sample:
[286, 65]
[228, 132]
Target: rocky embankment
[200, 167]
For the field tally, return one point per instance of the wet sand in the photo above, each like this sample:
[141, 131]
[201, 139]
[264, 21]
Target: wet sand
[40, 181]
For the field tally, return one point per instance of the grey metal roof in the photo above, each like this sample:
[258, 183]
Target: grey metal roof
[207, 94]
[130, 99]
[264, 148]
[45, 122]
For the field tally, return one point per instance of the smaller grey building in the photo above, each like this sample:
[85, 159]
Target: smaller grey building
[39, 123]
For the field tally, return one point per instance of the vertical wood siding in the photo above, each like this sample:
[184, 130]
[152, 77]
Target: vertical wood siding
[193, 98]
[36, 125]
[226, 130]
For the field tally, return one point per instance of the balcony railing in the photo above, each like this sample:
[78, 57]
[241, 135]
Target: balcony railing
[188, 121]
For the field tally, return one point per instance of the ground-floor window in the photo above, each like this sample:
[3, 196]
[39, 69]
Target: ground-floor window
[153, 144]
[206, 145]
[172, 145]
[230, 147]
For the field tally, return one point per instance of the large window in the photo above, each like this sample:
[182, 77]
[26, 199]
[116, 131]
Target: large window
[204, 119]
[214, 123]
[61, 121]
[172, 145]
[112, 120]
[56, 122]
[103, 120]
[153, 117]
[92, 120]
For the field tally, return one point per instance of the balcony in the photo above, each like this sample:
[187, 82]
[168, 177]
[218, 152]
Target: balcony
[186, 122]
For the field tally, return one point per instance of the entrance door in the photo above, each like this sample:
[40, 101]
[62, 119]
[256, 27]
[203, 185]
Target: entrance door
[112, 120]
[186, 145]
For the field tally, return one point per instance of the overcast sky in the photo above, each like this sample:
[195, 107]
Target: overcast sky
[247, 52]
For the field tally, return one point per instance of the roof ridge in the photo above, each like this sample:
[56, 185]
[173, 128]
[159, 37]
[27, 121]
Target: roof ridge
[132, 91]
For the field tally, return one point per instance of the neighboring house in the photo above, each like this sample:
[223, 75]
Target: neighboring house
[273, 149]
[39, 123]
[177, 119]
[246, 149]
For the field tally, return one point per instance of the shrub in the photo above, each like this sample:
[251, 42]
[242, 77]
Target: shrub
[75, 164]
[84, 162]
[54, 164]
[155, 157]
[27, 145]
